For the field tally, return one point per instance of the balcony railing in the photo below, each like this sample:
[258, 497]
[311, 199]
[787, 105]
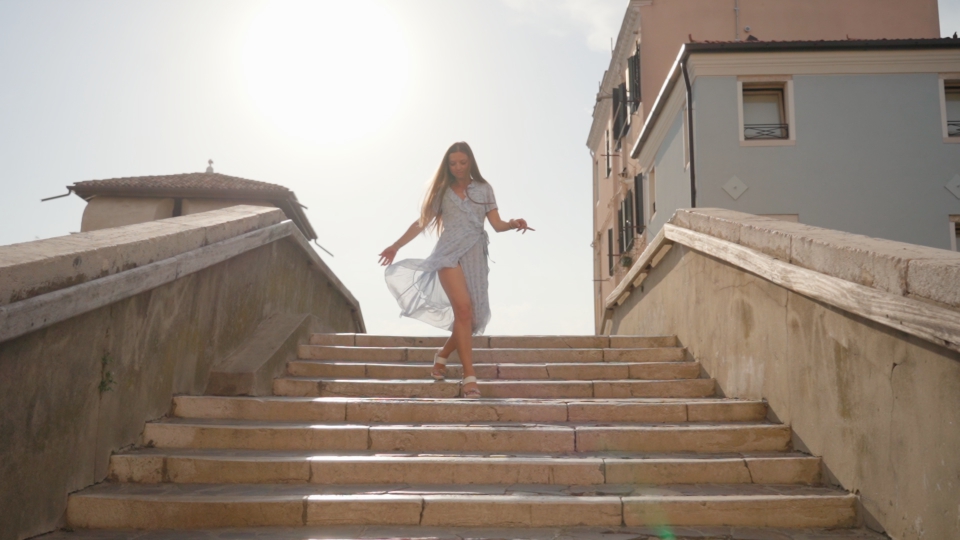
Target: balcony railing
[953, 128]
[766, 131]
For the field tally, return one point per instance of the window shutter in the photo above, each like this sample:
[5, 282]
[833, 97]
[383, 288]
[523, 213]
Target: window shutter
[615, 112]
[622, 112]
[628, 223]
[633, 81]
[638, 202]
[610, 251]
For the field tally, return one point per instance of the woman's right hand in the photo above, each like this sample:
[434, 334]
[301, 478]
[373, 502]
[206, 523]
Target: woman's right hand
[387, 255]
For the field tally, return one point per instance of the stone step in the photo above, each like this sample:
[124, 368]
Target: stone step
[192, 506]
[306, 387]
[494, 356]
[474, 437]
[416, 411]
[556, 372]
[364, 532]
[499, 342]
[231, 466]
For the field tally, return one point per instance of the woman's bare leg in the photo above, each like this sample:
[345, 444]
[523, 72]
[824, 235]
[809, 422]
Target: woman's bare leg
[455, 285]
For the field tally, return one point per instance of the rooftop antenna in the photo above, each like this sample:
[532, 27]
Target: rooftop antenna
[209, 166]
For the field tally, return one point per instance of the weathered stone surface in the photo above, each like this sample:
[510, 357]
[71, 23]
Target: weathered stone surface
[666, 354]
[625, 411]
[139, 469]
[263, 356]
[39, 267]
[251, 470]
[549, 342]
[935, 279]
[652, 389]
[742, 510]
[115, 511]
[152, 345]
[455, 470]
[512, 511]
[472, 438]
[446, 411]
[487, 533]
[698, 438]
[536, 389]
[784, 470]
[364, 509]
[261, 409]
[255, 437]
[726, 411]
[847, 387]
[676, 471]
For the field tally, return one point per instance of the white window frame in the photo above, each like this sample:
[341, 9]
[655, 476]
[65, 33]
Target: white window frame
[955, 79]
[954, 226]
[650, 194]
[789, 110]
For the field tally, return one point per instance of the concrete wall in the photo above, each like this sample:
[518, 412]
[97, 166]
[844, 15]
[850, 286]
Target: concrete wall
[869, 156]
[672, 175]
[107, 212]
[882, 408]
[60, 420]
[196, 206]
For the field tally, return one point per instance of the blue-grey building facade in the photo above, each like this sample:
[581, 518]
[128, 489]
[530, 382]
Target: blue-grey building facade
[866, 140]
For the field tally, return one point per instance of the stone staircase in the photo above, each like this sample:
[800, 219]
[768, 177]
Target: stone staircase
[576, 437]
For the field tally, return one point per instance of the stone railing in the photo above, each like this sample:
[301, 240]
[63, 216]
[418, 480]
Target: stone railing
[852, 340]
[99, 330]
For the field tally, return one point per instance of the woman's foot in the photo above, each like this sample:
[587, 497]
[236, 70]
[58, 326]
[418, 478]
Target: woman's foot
[439, 371]
[469, 388]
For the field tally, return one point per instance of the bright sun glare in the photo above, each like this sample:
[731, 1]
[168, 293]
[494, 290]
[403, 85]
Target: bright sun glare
[326, 71]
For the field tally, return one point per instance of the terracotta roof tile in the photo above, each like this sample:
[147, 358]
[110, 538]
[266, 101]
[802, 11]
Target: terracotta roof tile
[187, 183]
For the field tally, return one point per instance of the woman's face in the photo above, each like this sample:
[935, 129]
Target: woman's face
[459, 165]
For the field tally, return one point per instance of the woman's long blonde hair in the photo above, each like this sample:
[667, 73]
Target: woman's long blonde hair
[430, 217]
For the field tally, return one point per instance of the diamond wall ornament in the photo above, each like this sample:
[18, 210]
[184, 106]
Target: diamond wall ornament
[954, 186]
[735, 187]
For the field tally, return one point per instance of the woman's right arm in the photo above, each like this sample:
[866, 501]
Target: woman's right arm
[387, 255]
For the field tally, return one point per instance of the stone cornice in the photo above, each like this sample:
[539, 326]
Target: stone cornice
[611, 77]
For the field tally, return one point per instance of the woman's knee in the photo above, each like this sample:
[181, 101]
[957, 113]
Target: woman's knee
[463, 313]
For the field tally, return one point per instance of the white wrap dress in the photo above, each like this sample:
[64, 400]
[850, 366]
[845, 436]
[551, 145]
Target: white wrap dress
[463, 240]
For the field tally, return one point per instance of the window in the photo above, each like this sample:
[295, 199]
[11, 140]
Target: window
[955, 233]
[633, 81]
[638, 202]
[951, 109]
[766, 111]
[610, 251]
[764, 116]
[619, 112]
[652, 192]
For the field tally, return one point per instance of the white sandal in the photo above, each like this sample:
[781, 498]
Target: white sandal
[439, 375]
[469, 394]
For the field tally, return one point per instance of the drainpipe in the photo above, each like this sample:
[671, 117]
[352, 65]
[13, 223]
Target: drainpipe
[693, 161]
[736, 13]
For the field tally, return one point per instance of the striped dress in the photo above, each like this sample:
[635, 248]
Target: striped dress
[414, 282]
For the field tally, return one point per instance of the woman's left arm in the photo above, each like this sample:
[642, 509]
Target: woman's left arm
[500, 225]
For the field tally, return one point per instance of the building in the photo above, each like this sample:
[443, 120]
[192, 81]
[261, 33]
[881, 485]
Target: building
[867, 104]
[124, 201]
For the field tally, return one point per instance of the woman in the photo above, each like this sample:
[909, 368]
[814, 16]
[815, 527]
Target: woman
[455, 205]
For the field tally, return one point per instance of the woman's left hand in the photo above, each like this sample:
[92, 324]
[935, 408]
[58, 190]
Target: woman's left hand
[521, 225]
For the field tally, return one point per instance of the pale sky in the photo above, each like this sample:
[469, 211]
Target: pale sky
[350, 104]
